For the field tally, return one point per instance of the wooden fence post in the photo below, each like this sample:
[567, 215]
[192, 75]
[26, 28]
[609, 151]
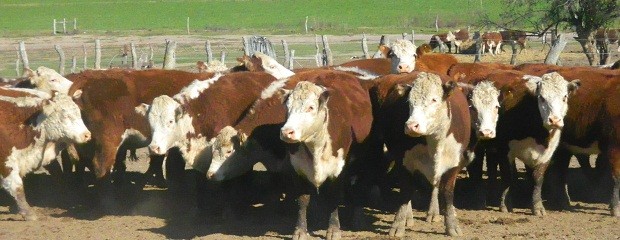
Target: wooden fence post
[17, 64]
[287, 56]
[246, 46]
[291, 59]
[64, 25]
[404, 35]
[365, 46]
[317, 56]
[23, 55]
[437, 23]
[97, 54]
[84, 49]
[223, 57]
[209, 51]
[478, 39]
[442, 45]
[187, 25]
[327, 52]
[134, 56]
[54, 27]
[73, 64]
[556, 48]
[169, 56]
[306, 25]
[61, 53]
[151, 61]
[413, 37]
[513, 58]
[74, 25]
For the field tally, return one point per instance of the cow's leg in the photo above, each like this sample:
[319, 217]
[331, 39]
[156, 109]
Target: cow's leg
[404, 216]
[492, 165]
[301, 229]
[15, 186]
[509, 171]
[561, 161]
[539, 174]
[433, 214]
[475, 178]
[175, 169]
[333, 200]
[498, 48]
[154, 174]
[447, 185]
[614, 160]
[120, 167]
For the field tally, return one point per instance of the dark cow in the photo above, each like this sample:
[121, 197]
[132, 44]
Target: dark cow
[34, 129]
[325, 125]
[430, 136]
[520, 38]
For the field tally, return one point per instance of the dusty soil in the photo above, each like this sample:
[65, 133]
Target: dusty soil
[136, 211]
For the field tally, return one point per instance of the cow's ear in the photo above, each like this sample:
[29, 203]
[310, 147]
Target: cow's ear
[531, 82]
[29, 73]
[448, 88]
[77, 94]
[573, 86]
[385, 50]
[324, 97]
[283, 94]
[142, 109]
[179, 112]
[402, 89]
[505, 94]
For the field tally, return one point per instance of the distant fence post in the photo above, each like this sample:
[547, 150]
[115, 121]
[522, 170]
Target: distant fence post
[209, 52]
[317, 56]
[437, 23]
[404, 35]
[327, 52]
[61, 53]
[413, 37]
[478, 39]
[556, 48]
[442, 45]
[365, 46]
[187, 25]
[17, 64]
[54, 27]
[223, 57]
[97, 54]
[169, 57]
[291, 59]
[134, 56]
[306, 25]
[23, 55]
[151, 61]
[246, 46]
[513, 58]
[74, 25]
[287, 56]
[73, 64]
[84, 49]
[64, 25]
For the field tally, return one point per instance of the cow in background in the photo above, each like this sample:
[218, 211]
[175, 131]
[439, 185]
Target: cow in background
[520, 37]
[492, 41]
[445, 38]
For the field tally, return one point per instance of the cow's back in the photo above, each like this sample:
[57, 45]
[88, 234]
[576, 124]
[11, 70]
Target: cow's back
[436, 62]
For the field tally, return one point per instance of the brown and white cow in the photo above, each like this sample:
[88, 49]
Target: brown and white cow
[403, 59]
[445, 38]
[44, 79]
[520, 38]
[324, 124]
[458, 37]
[429, 136]
[492, 41]
[34, 130]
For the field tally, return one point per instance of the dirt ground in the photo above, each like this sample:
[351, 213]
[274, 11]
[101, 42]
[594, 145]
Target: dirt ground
[136, 211]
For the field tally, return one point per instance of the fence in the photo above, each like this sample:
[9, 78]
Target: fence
[338, 49]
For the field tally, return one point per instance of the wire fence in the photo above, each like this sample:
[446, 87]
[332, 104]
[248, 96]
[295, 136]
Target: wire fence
[114, 54]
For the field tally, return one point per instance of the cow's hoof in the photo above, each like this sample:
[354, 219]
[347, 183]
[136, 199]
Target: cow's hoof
[539, 210]
[409, 219]
[505, 209]
[453, 231]
[616, 211]
[358, 220]
[30, 216]
[301, 234]
[333, 234]
[433, 217]
[397, 231]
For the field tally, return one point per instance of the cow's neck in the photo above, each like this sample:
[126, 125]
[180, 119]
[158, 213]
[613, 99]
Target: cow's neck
[441, 130]
[39, 153]
[196, 151]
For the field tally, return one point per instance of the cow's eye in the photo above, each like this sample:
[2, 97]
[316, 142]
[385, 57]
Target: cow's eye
[565, 98]
[229, 151]
[310, 109]
[170, 122]
[434, 100]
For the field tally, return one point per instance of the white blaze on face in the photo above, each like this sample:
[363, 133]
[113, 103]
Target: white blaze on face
[485, 101]
[307, 111]
[169, 124]
[403, 56]
[272, 67]
[49, 80]
[552, 92]
[62, 121]
[427, 107]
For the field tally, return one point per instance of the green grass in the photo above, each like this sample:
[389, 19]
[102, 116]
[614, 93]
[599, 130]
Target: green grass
[28, 17]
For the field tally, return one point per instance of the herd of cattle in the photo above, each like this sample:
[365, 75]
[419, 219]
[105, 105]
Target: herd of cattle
[329, 130]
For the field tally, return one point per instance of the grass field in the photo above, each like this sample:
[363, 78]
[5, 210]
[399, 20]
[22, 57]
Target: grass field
[29, 17]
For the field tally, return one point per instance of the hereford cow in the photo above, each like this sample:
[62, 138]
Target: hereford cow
[34, 130]
[434, 134]
[460, 36]
[520, 38]
[324, 125]
[492, 41]
[445, 38]
[612, 37]
[44, 79]
[404, 60]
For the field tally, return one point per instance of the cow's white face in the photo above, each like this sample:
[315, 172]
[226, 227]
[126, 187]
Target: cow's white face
[272, 67]
[485, 102]
[169, 123]
[427, 104]
[48, 80]
[402, 56]
[61, 120]
[307, 112]
[224, 146]
[552, 92]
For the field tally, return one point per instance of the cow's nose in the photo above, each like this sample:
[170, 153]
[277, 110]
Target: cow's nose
[87, 136]
[553, 120]
[154, 149]
[289, 133]
[210, 175]
[487, 133]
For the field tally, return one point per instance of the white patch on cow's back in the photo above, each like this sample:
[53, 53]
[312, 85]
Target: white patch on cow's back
[23, 101]
[34, 92]
[592, 149]
[362, 74]
[273, 88]
[193, 90]
[532, 153]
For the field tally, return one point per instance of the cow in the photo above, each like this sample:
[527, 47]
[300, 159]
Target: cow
[324, 127]
[445, 38]
[107, 102]
[44, 79]
[491, 40]
[423, 49]
[429, 136]
[460, 36]
[33, 131]
[519, 37]
[404, 60]
[605, 34]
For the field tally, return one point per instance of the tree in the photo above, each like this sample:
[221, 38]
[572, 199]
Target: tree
[541, 16]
